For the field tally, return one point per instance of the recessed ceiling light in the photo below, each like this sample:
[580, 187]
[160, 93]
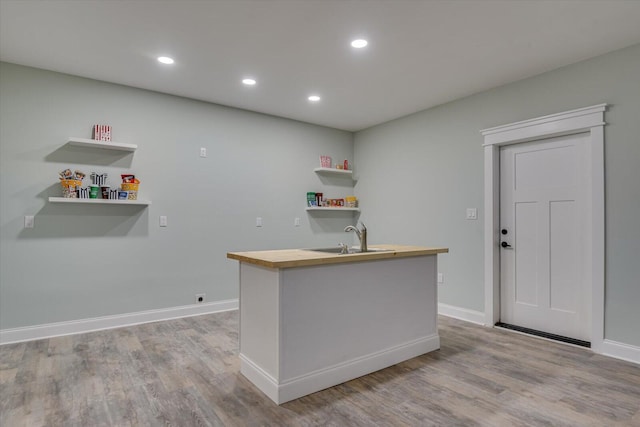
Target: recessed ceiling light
[249, 82]
[359, 43]
[314, 98]
[165, 60]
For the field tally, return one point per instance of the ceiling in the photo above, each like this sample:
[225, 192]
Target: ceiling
[420, 53]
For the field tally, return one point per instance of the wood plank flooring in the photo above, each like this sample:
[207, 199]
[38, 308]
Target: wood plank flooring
[185, 372]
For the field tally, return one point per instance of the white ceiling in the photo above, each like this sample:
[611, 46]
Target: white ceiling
[420, 53]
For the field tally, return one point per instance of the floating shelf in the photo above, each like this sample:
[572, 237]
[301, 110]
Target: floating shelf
[333, 209]
[84, 142]
[99, 201]
[333, 171]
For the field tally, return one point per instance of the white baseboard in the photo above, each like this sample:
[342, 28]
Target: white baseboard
[461, 313]
[49, 330]
[620, 350]
[260, 378]
[337, 374]
[610, 348]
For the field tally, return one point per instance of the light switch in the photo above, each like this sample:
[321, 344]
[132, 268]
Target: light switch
[29, 221]
[259, 222]
[163, 221]
[472, 213]
[440, 278]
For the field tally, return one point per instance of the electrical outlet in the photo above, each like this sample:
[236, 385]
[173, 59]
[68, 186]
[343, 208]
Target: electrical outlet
[200, 298]
[440, 278]
[259, 221]
[296, 222]
[29, 221]
[203, 152]
[163, 221]
[472, 213]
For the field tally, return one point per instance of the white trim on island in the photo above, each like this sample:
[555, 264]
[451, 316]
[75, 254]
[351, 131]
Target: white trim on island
[328, 377]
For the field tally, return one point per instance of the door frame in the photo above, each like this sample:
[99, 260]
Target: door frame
[583, 120]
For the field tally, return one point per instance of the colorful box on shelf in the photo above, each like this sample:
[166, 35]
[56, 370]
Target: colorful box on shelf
[102, 133]
[311, 199]
[325, 161]
[131, 189]
[318, 200]
[69, 187]
[130, 184]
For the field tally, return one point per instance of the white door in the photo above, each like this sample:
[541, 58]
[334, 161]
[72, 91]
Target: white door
[543, 215]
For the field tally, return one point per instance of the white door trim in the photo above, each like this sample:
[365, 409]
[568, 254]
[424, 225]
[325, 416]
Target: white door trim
[588, 119]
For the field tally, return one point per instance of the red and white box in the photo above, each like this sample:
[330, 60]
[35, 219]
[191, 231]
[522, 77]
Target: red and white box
[325, 161]
[102, 132]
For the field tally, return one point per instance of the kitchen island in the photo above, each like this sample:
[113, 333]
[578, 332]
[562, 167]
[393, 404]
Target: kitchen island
[310, 319]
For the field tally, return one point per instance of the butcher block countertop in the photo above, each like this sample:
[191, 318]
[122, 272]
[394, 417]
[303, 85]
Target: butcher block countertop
[290, 258]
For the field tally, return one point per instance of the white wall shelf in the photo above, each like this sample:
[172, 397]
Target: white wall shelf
[343, 209]
[139, 202]
[333, 171]
[84, 142]
[337, 173]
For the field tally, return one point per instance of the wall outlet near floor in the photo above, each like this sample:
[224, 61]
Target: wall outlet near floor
[203, 152]
[259, 221]
[440, 277]
[29, 221]
[163, 221]
[200, 298]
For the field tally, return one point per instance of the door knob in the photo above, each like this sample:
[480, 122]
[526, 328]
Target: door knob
[505, 245]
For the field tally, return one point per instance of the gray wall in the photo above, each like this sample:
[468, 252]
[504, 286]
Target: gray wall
[418, 174]
[85, 261]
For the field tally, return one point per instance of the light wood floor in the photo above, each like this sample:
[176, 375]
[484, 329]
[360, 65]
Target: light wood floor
[185, 373]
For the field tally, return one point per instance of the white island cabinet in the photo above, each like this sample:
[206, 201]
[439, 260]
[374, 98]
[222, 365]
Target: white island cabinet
[311, 320]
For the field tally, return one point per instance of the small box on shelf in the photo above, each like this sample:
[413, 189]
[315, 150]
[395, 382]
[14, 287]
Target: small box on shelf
[102, 133]
[325, 161]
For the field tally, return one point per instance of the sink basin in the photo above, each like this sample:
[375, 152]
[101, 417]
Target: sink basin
[338, 250]
[328, 250]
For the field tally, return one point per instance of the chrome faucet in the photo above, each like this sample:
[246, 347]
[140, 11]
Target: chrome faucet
[362, 235]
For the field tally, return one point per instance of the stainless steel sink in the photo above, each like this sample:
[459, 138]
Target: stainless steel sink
[356, 249]
[338, 250]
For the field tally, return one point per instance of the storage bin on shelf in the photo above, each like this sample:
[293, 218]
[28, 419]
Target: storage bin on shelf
[132, 189]
[351, 202]
[69, 187]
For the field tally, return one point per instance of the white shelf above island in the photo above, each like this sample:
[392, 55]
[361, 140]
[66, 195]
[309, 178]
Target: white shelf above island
[334, 209]
[139, 202]
[333, 171]
[107, 145]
